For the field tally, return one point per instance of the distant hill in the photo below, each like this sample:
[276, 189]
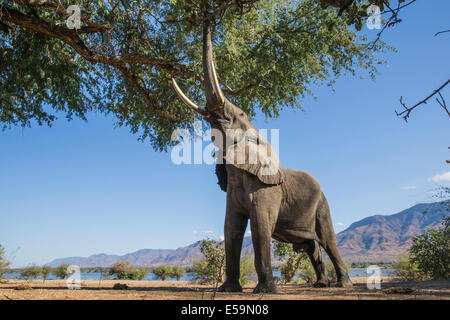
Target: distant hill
[375, 238]
[383, 238]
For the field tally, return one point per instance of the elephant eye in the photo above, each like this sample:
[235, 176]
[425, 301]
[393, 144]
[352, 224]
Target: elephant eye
[242, 114]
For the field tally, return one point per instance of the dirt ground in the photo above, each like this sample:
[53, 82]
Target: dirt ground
[391, 289]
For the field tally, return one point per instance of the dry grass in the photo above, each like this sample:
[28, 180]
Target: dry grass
[181, 290]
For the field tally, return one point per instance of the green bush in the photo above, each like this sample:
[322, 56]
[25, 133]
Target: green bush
[138, 274]
[46, 271]
[163, 272]
[430, 251]
[307, 272]
[292, 261]
[3, 263]
[407, 270]
[178, 272]
[211, 268]
[247, 269]
[31, 272]
[123, 270]
[62, 271]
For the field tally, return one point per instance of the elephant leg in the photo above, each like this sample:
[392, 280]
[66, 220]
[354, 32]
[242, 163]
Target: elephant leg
[235, 225]
[325, 232]
[262, 222]
[315, 255]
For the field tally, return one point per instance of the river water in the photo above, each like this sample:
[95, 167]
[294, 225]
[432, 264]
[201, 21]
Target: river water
[191, 276]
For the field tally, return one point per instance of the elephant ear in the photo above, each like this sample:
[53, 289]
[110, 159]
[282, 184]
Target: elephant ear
[255, 155]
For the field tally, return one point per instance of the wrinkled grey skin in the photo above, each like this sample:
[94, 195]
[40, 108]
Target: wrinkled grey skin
[289, 206]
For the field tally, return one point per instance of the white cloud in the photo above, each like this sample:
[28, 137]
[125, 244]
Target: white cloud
[444, 177]
[222, 238]
[339, 224]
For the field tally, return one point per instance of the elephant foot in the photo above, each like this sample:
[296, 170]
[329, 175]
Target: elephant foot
[265, 288]
[344, 283]
[230, 287]
[320, 284]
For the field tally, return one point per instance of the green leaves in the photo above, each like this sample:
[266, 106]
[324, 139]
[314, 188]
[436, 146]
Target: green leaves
[268, 56]
[430, 251]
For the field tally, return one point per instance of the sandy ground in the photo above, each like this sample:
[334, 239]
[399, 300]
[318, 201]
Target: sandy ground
[183, 290]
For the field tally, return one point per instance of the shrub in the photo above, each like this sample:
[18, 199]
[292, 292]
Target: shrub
[247, 268]
[212, 267]
[31, 272]
[46, 271]
[62, 271]
[407, 270]
[307, 272]
[430, 251]
[139, 274]
[292, 261]
[3, 263]
[163, 272]
[178, 272]
[123, 270]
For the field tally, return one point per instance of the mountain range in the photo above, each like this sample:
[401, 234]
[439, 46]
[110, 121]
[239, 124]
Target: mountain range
[378, 238]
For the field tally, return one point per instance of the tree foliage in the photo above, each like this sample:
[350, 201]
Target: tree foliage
[163, 272]
[31, 272]
[212, 267]
[62, 271]
[46, 271]
[178, 272]
[292, 261]
[4, 264]
[246, 268]
[123, 270]
[269, 54]
[407, 270]
[430, 251]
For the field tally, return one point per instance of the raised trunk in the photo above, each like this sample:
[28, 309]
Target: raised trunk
[214, 98]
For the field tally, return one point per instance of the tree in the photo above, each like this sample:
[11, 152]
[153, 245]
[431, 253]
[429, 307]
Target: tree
[62, 271]
[212, 267]
[139, 274]
[31, 271]
[4, 264]
[430, 251]
[46, 271]
[269, 53]
[163, 272]
[123, 270]
[292, 261]
[178, 272]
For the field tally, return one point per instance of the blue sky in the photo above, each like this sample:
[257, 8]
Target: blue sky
[81, 188]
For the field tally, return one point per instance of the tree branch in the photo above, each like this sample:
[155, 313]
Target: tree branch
[119, 62]
[406, 113]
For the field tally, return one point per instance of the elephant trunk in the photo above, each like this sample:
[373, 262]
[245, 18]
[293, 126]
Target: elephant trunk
[215, 98]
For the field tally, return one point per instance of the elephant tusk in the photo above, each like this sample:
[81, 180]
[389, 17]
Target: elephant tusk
[216, 85]
[186, 100]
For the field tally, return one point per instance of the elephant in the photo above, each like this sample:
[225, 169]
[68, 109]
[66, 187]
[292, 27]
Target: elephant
[284, 204]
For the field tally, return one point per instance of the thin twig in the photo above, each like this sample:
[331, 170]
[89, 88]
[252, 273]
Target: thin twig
[443, 104]
[405, 113]
[441, 32]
